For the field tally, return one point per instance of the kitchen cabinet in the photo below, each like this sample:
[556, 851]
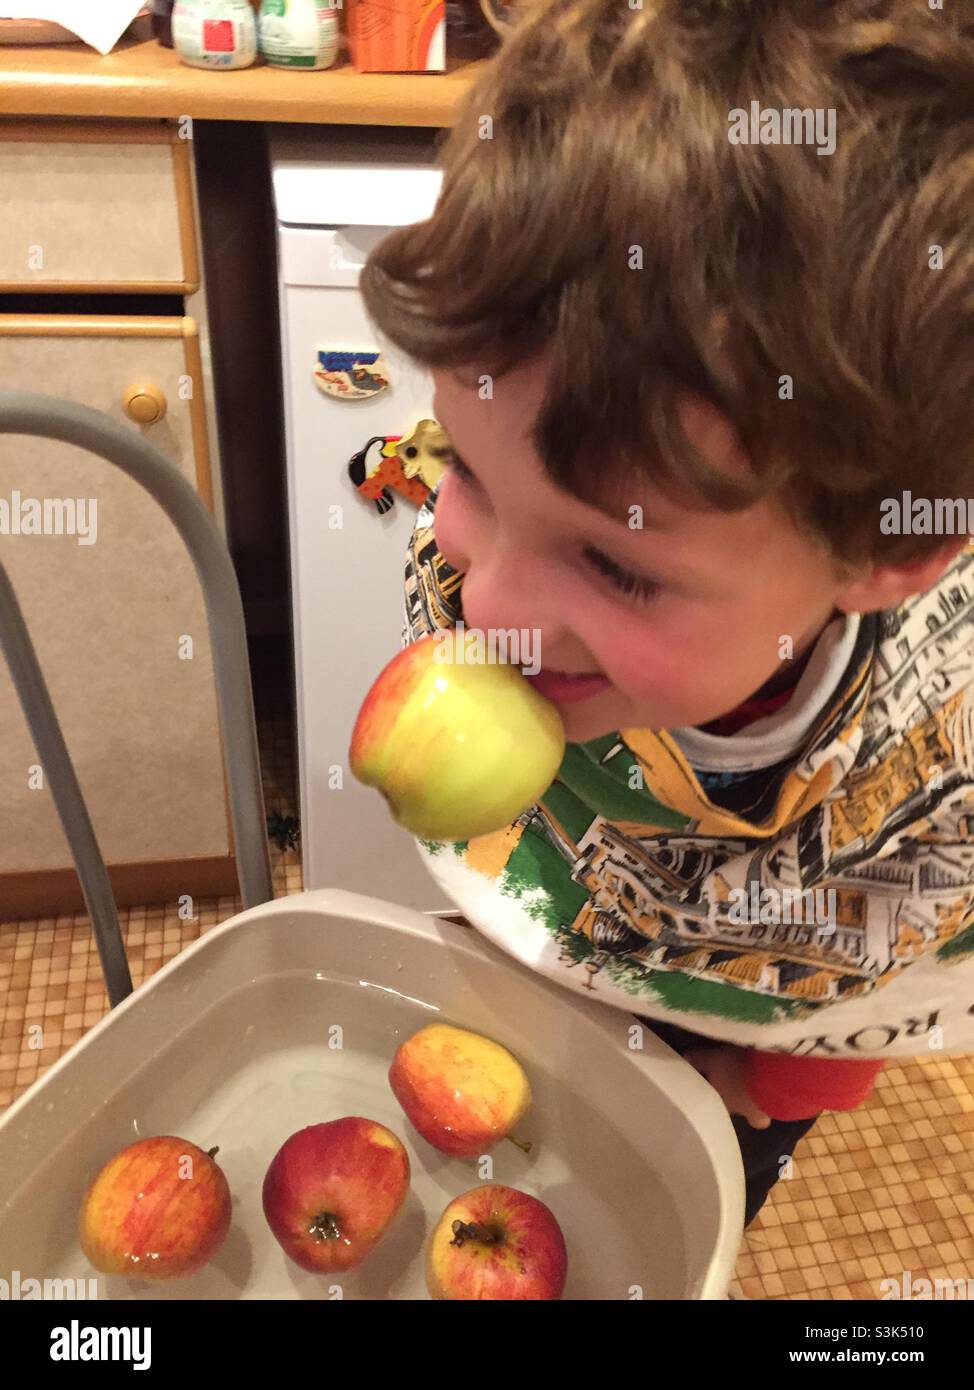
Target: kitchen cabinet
[114, 605]
[96, 205]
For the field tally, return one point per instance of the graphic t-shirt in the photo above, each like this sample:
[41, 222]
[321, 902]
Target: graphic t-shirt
[818, 905]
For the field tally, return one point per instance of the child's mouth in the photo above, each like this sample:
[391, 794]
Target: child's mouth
[563, 688]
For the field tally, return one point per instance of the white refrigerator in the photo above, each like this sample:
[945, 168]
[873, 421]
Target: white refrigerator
[337, 192]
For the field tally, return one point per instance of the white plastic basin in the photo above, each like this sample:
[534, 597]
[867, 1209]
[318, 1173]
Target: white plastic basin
[229, 1045]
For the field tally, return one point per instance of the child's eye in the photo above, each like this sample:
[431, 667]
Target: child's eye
[457, 466]
[632, 585]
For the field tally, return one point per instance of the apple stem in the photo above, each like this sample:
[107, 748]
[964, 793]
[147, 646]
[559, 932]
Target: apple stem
[211, 1152]
[523, 1144]
[471, 1230]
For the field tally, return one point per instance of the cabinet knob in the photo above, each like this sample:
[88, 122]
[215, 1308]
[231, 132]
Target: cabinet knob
[144, 404]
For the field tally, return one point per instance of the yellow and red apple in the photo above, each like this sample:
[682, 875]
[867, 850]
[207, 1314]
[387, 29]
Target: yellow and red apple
[458, 748]
[159, 1209]
[461, 1091]
[495, 1242]
[332, 1190]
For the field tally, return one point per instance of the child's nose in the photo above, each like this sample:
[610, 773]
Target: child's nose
[500, 602]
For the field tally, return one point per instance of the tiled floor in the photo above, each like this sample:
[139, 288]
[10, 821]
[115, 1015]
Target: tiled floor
[883, 1189]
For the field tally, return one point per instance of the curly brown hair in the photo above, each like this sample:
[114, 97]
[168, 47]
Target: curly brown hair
[598, 129]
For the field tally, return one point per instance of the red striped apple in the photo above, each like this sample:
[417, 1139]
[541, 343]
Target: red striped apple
[159, 1209]
[332, 1190]
[495, 1242]
[461, 1091]
[458, 748]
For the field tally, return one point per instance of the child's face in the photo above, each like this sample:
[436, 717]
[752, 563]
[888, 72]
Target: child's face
[731, 587]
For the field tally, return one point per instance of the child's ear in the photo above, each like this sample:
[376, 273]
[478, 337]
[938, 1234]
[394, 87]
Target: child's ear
[884, 586]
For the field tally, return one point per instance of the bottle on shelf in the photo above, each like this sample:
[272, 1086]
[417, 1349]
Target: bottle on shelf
[219, 34]
[299, 33]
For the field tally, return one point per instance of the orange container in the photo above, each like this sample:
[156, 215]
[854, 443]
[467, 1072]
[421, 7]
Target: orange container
[397, 35]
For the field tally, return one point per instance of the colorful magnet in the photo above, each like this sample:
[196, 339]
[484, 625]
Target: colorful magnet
[423, 452]
[348, 375]
[408, 464]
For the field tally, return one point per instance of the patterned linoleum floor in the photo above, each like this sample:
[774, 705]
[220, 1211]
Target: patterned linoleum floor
[878, 1191]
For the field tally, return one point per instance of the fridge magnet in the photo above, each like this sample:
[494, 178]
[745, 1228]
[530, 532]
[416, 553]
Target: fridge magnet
[410, 465]
[423, 452]
[350, 375]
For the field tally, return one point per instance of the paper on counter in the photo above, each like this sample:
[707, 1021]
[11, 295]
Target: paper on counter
[98, 22]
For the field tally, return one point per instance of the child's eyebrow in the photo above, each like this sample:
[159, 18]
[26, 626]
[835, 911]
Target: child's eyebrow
[613, 499]
[617, 505]
[617, 513]
[647, 521]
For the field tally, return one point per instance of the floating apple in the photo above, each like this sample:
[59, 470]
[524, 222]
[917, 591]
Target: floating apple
[461, 1091]
[495, 1242]
[159, 1209]
[457, 748]
[332, 1190]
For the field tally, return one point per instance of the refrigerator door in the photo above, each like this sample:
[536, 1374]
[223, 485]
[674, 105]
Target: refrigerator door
[347, 566]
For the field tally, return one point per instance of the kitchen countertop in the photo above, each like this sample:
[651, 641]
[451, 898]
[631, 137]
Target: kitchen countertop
[141, 78]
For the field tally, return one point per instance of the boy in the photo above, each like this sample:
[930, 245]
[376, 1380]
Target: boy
[698, 298]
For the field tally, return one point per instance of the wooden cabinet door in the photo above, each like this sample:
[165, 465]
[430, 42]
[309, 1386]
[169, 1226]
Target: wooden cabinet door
[103, 205]
[116, 614]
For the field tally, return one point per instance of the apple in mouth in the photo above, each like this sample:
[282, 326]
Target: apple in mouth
[458, 749]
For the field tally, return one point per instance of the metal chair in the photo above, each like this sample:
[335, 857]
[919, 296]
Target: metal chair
[50, 417]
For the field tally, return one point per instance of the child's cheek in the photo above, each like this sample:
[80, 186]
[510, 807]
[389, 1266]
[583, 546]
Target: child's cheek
[646, 665]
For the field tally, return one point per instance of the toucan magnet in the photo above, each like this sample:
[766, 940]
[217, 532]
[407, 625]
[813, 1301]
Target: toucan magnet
[410, 465]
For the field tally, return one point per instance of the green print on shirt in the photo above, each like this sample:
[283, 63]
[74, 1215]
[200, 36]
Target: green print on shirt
[604, 787]
[536, 864]
[959, 948]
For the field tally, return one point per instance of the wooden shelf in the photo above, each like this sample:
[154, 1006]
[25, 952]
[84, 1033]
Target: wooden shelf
[141, 78]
